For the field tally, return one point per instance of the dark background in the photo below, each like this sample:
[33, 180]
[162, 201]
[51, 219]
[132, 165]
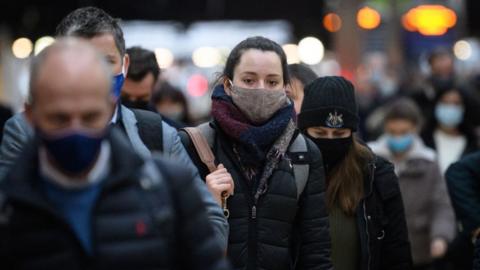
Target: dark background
[37, 18]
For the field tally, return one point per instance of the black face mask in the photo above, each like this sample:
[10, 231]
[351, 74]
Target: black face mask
[333, 150]
[137, 104]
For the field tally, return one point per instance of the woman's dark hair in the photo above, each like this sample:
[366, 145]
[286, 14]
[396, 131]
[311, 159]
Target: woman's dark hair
[88, 22]
[256, 43]
[404, 109]
[302, 73]
[345, 183]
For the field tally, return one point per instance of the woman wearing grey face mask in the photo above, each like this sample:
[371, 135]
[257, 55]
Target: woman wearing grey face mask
[449, 131]
[277, 216]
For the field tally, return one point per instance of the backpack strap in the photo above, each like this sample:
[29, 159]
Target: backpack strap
[150, 129]
[202, 139]
[202, 147]
[298, 152]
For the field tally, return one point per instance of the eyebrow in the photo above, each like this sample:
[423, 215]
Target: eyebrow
[254, 73]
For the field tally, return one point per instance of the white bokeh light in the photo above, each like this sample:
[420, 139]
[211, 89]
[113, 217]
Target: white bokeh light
[206, 57]
[310, 50]
[164, 57]
[462, 50]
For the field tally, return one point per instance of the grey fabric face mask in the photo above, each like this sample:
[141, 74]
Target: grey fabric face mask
[258, 105]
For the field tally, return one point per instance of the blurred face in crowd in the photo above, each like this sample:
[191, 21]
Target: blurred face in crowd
[258, 70]
[138, 91]
[105, 43]
[329, 133]
[452, 98]
[449, 110]
[71, 92]
[171, 109]
[295, 92]
[399, 127]
[442, 65]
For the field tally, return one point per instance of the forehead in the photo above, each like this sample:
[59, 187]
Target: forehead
[105, 43]
[452, 95]
[259, 62]
[399, 123]
[71, 75]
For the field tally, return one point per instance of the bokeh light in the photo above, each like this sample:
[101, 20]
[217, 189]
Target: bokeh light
[22, 48]
[206, 57]
[368, 18]
[291, 50]
[42, 43]
[332, 22]
[429, 20]
[310, 50]
[462, 50]
[164, 57]
[197, 85]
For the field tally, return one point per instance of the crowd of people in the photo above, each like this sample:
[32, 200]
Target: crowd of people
[100, 172]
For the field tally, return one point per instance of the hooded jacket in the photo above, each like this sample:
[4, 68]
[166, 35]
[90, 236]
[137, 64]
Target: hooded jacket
[430, 215]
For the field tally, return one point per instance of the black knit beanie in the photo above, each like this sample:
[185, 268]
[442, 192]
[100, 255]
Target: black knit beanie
[329, 102]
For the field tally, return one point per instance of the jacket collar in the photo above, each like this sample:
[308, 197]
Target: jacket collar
[129, 121]
[22, 182]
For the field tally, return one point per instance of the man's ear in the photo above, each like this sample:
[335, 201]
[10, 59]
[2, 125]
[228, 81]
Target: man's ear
[126, 63]
[29, 112]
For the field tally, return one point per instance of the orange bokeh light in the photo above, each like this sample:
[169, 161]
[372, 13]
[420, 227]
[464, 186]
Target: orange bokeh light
[332, 22]
[429, 20]
[368, 18]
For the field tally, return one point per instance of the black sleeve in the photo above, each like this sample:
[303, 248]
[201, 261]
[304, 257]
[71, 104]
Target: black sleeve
[395, 253]
[463, 181]
[314, 238]
[197, 246]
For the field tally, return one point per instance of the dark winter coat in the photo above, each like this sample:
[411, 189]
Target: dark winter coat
[136, 223]
[381, 221]
[279, 230]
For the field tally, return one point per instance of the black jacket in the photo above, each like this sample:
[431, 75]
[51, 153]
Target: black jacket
[381, 221]
[175, 234]
[463, 182]
[278, 231]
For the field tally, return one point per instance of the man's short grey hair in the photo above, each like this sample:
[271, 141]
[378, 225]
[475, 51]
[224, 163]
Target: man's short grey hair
[88, 22]
[61, 45]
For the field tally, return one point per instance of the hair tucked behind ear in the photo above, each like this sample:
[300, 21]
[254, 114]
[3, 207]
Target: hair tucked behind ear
[345, 183]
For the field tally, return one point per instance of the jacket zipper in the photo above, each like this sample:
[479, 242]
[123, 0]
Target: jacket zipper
[369, 259]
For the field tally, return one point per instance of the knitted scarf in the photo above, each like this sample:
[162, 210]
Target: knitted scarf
[257, 145]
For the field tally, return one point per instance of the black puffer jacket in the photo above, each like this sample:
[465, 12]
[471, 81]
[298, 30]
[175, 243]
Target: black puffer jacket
[279, 230]
[136, 223]
[381, 221]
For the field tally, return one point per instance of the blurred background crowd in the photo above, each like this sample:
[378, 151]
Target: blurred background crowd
[425, 51]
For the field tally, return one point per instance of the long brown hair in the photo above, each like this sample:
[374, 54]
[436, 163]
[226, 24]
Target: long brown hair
[345, 183]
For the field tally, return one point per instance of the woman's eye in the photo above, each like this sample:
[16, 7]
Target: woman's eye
[248, 81]
[273, 83]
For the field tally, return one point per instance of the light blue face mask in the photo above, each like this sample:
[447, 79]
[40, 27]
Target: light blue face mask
[449, 115]
[399, 144]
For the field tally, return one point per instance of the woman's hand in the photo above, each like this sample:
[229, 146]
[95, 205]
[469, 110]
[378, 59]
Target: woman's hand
[438, 248]
[218, 182]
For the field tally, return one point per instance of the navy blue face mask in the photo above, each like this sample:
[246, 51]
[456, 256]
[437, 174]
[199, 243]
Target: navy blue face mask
[117, 85]
[74, 151]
